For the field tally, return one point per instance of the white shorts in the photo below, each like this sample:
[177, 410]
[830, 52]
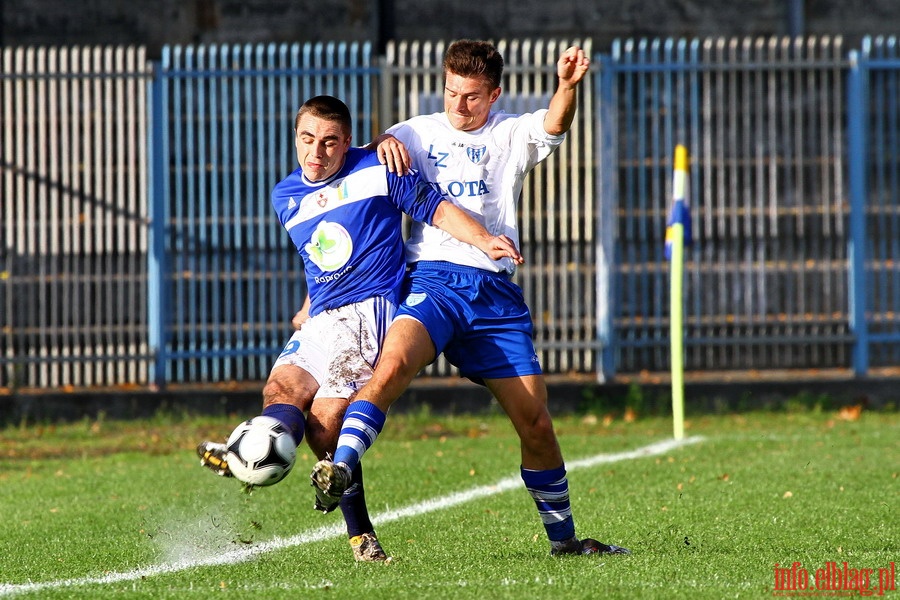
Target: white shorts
[339, 347]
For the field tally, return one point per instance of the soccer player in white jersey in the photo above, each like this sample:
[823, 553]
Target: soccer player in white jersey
[342, 209]
[462, 303]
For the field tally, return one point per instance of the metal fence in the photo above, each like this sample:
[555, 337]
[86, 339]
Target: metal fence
[73, 288]
[139, 248]
[766, 279]
[226, 279]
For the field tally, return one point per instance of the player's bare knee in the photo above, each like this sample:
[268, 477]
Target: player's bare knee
[287, 385]
[277, 391]
[395, 368]
[274, 392]
[541, 429]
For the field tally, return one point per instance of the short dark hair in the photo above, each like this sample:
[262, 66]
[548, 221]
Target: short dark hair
[328, 108]
[473, 58]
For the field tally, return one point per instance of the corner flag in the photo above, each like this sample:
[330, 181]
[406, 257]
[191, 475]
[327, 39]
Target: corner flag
[678, 235]
[681, 209]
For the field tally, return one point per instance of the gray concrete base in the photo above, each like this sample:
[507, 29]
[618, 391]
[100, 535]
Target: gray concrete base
[578, 394]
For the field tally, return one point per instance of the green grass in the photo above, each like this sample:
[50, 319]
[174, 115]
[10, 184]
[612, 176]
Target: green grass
[90, 500]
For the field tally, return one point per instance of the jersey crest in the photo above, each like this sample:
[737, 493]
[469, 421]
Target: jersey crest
[476, 153]
[415, 298]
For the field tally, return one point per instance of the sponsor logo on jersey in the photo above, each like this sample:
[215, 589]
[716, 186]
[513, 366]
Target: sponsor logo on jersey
[334, 276]
[476, 153]
[439, 158]
[330, 246]
[414, 299]
[458, 189]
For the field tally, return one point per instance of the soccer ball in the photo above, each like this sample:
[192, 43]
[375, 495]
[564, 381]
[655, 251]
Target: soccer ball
[261, 451]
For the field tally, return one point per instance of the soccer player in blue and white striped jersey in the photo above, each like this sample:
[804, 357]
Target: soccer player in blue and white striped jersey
[343, 210]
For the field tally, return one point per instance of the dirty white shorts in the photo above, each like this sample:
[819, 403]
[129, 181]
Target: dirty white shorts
[339, 347]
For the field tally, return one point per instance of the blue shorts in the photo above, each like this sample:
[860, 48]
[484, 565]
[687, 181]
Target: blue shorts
[477, 318]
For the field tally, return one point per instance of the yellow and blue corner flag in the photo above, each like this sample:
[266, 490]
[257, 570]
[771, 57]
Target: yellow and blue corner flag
[678, 235]
[681, 210]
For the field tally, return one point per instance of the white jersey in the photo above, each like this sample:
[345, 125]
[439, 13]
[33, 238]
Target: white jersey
[481, 171]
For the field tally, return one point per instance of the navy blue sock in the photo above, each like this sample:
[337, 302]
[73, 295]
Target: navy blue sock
[353, 505]
[291, 416]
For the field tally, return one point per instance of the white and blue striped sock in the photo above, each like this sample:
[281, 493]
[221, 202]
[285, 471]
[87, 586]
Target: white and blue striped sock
[363, 422]
[550, 491]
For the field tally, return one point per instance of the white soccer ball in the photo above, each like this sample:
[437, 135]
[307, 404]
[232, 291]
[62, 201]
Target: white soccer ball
[261, 451]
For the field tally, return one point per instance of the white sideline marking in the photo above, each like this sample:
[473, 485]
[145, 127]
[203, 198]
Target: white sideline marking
[338, 529]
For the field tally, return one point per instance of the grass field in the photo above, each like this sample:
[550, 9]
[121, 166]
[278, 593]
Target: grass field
[102, 509]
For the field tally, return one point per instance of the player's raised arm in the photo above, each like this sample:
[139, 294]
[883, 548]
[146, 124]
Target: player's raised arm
[571, 68]
[463, 227]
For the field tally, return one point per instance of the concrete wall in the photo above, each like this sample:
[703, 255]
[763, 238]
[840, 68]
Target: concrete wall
[566, 395]
[157, 22]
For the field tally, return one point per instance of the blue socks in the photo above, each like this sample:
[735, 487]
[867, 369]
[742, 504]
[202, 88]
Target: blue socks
[363, 422]
[550, 491]
[353, 506]
[291, 416]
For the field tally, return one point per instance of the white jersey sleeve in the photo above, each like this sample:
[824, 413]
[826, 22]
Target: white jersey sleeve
[481, 171]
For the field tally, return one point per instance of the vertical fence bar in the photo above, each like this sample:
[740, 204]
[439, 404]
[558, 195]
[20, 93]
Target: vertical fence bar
[69, 212]
[879, 70]
[43, 219]
[158, 308]
[858, 152]
[8, 374]
[27, 211]
[606, 223]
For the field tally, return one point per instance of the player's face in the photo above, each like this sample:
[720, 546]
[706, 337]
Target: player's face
[321, 147]
[468, 101]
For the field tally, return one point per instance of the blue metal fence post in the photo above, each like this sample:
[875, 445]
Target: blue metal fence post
[857, 161]
[157, 268]
[607, 160]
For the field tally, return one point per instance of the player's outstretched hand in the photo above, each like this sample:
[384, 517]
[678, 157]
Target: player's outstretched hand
[572, 66]
[501, 246]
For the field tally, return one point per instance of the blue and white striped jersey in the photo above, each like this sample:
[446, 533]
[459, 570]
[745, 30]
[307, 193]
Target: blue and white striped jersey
[347, 228]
